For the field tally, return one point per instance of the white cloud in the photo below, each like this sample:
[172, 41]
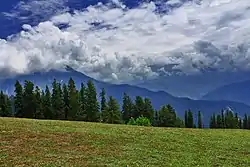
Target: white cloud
[212, 34]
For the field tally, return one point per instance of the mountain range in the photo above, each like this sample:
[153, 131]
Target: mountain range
[158, 98]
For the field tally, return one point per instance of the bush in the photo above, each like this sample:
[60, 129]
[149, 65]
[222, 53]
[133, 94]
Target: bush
[141, 121]
[131, 121]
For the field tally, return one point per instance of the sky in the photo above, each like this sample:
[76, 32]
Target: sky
[118, 41]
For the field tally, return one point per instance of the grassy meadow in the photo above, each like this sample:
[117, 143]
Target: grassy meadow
[26, 142]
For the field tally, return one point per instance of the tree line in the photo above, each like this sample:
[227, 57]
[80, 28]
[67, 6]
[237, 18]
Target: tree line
[66, 102]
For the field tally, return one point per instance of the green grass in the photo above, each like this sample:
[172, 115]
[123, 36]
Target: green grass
[25, 142]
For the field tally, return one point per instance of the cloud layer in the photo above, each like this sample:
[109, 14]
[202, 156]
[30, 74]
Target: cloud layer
[112, 42]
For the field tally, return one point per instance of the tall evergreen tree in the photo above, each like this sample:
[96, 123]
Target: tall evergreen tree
[213, 123]
[5, 105]
[138, 107]
[167, 116]
[190, 119]
[29, 104]
[248, 122]
[236, 121]
[219, 121]
[112, 113]
[103, 102]
[57, 100]
[82, 100]
[127, 108]
[186, 119]
[65, 101]
[245, 122]
[199, 120]
[148, 111]
[38, 104]
[47, 104]
[18, 100]
[222, 119]
[156, 119]
[74, 105]
[92, 105]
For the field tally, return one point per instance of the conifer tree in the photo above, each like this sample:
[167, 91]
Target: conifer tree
[29, 105]
[167, 116]
[74, 106]
[199, 120]
[236, 121]
[18, 100]
[112, 113]
[245, 122]
[103, 102]
[222, 119]
[65, 101]
[82, 102]
[156, 118]
[248, 122]
[213, 123]
[38, 104]
[138, 107]
[186, 119]
[240, 123]
[47, 104]
[127, 108]
[57, 100]
[190, 119]
[5, 105]
[92, 105]
[219, 121]
[148, 111]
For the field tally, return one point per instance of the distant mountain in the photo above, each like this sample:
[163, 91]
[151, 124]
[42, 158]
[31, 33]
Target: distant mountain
[239, 92]
[158, 98]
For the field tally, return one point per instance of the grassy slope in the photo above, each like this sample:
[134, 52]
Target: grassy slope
[59, 143]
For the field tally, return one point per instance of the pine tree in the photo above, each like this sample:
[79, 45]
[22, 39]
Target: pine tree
[219, 121]
[112, 113]
[199, 120]
[29, 104]
[138, 107]
[245, 122]
[65, 101]
[186, 119]
[82, 101]
[47, 104]
[74, 106]
[167, 116]
[127, 108]
[92, 105]
[148, 111]
[156, 119]
[236, 121]
[213, 123]
[222, 119]
[57, 100]
[190, 119]
[103, 102]
[5, 105]
[248, 122]
[38, 104]
[240, 124]
[229, 120]
[18, 100]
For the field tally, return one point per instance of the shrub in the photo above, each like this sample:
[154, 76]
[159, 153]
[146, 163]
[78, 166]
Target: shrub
[131, 121]
[141, 121]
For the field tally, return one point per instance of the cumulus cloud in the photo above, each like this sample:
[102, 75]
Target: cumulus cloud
[112, 42]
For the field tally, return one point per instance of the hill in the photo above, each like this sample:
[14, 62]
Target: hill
[26, 142]
[239, 92]
[158, 98]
